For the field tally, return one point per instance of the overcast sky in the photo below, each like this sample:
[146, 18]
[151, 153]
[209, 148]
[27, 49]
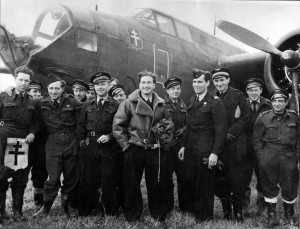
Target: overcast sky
[269, 19]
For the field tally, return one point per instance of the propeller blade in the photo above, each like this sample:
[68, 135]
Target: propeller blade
[247, 37]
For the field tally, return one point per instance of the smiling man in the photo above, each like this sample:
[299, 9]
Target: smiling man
[99, 163]
[232, 180]
[60, 113]
[177, 108]
[276, 144]
[19, 118]
[132, 128]
[257, 104]
[80, 89]
[202, 145]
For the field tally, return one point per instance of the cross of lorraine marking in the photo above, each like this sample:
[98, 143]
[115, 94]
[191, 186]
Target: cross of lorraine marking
[16, 152]
[135, 37]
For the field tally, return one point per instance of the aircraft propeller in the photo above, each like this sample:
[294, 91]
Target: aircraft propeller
[290, 58]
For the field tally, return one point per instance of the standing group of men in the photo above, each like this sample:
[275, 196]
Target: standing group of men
[102, 143]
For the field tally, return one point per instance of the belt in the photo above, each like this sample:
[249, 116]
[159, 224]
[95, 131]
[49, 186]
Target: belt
[65, 132]
[277, 146]
[94, 133]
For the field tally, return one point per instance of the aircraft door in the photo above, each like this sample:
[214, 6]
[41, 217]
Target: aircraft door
[161, 63]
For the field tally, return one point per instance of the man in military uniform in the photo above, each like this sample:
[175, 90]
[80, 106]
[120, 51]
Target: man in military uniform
[100, 164]
[203, 143]
[276, 144]
[60, 113]
[232, 180]
[80, 89]
[177, 108]
[37, 153]
[90, 94]
[117, 93]
[257, 104]
[132, 126]
[19, 118]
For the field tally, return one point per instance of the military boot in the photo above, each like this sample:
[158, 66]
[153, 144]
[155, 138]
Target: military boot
[261, 205]
[246, 203]
[38, 197]
[2, 206]
[238, 209]
[288, 213]
[227, 209]
[17, 196]
[44, 211]
[272, 218]
[65, 204]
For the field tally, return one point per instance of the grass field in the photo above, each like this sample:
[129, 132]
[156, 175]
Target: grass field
[175, 219]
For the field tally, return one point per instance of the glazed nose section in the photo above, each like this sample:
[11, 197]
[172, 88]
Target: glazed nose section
[12, 50]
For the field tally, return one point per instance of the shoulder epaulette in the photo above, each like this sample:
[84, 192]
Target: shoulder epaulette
[292, 111]
[263, 113]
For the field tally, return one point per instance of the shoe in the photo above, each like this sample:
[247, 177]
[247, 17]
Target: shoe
[272, 218]
[44, 211]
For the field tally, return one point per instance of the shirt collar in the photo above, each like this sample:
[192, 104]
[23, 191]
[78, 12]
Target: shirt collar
[201, 96]
[258, 101]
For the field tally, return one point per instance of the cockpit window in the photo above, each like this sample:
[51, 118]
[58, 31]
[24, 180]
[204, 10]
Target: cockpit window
[166, 24]
[147, 17]
[183, 32]
[87, 40]
[53, 24]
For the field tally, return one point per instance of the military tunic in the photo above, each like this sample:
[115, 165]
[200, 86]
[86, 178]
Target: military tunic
[276, 144]
[61, 146]
[205, 135]
[178, 113]
[100, 163]
[262, 106]
[18, 117]
[233, 178]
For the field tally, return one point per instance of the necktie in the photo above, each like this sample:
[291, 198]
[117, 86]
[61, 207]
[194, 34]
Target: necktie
[56, 104]
[253, 106]
[100, 102]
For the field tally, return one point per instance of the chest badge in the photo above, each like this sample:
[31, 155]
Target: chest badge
[204, 104]
[68, 105]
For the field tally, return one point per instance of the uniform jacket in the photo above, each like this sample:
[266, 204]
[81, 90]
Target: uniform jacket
[232, 99]
[134, 120]
[178, 114]
[264, 105]
[20, 115]
[269, 130]
[99, 120]
[206, 125]
[62, 119]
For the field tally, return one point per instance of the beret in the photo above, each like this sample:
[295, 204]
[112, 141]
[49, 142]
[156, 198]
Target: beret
[53, 78]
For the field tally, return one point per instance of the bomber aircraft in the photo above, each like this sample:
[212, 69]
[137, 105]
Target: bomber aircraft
[77, 42]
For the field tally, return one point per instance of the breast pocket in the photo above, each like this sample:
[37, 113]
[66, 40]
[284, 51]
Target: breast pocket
[27, 115]
[271, 132]
[67, 114]
[204, 114]
[91, 114]
[291, 131]
[9, 110]
[109, 114]
[46, 112]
